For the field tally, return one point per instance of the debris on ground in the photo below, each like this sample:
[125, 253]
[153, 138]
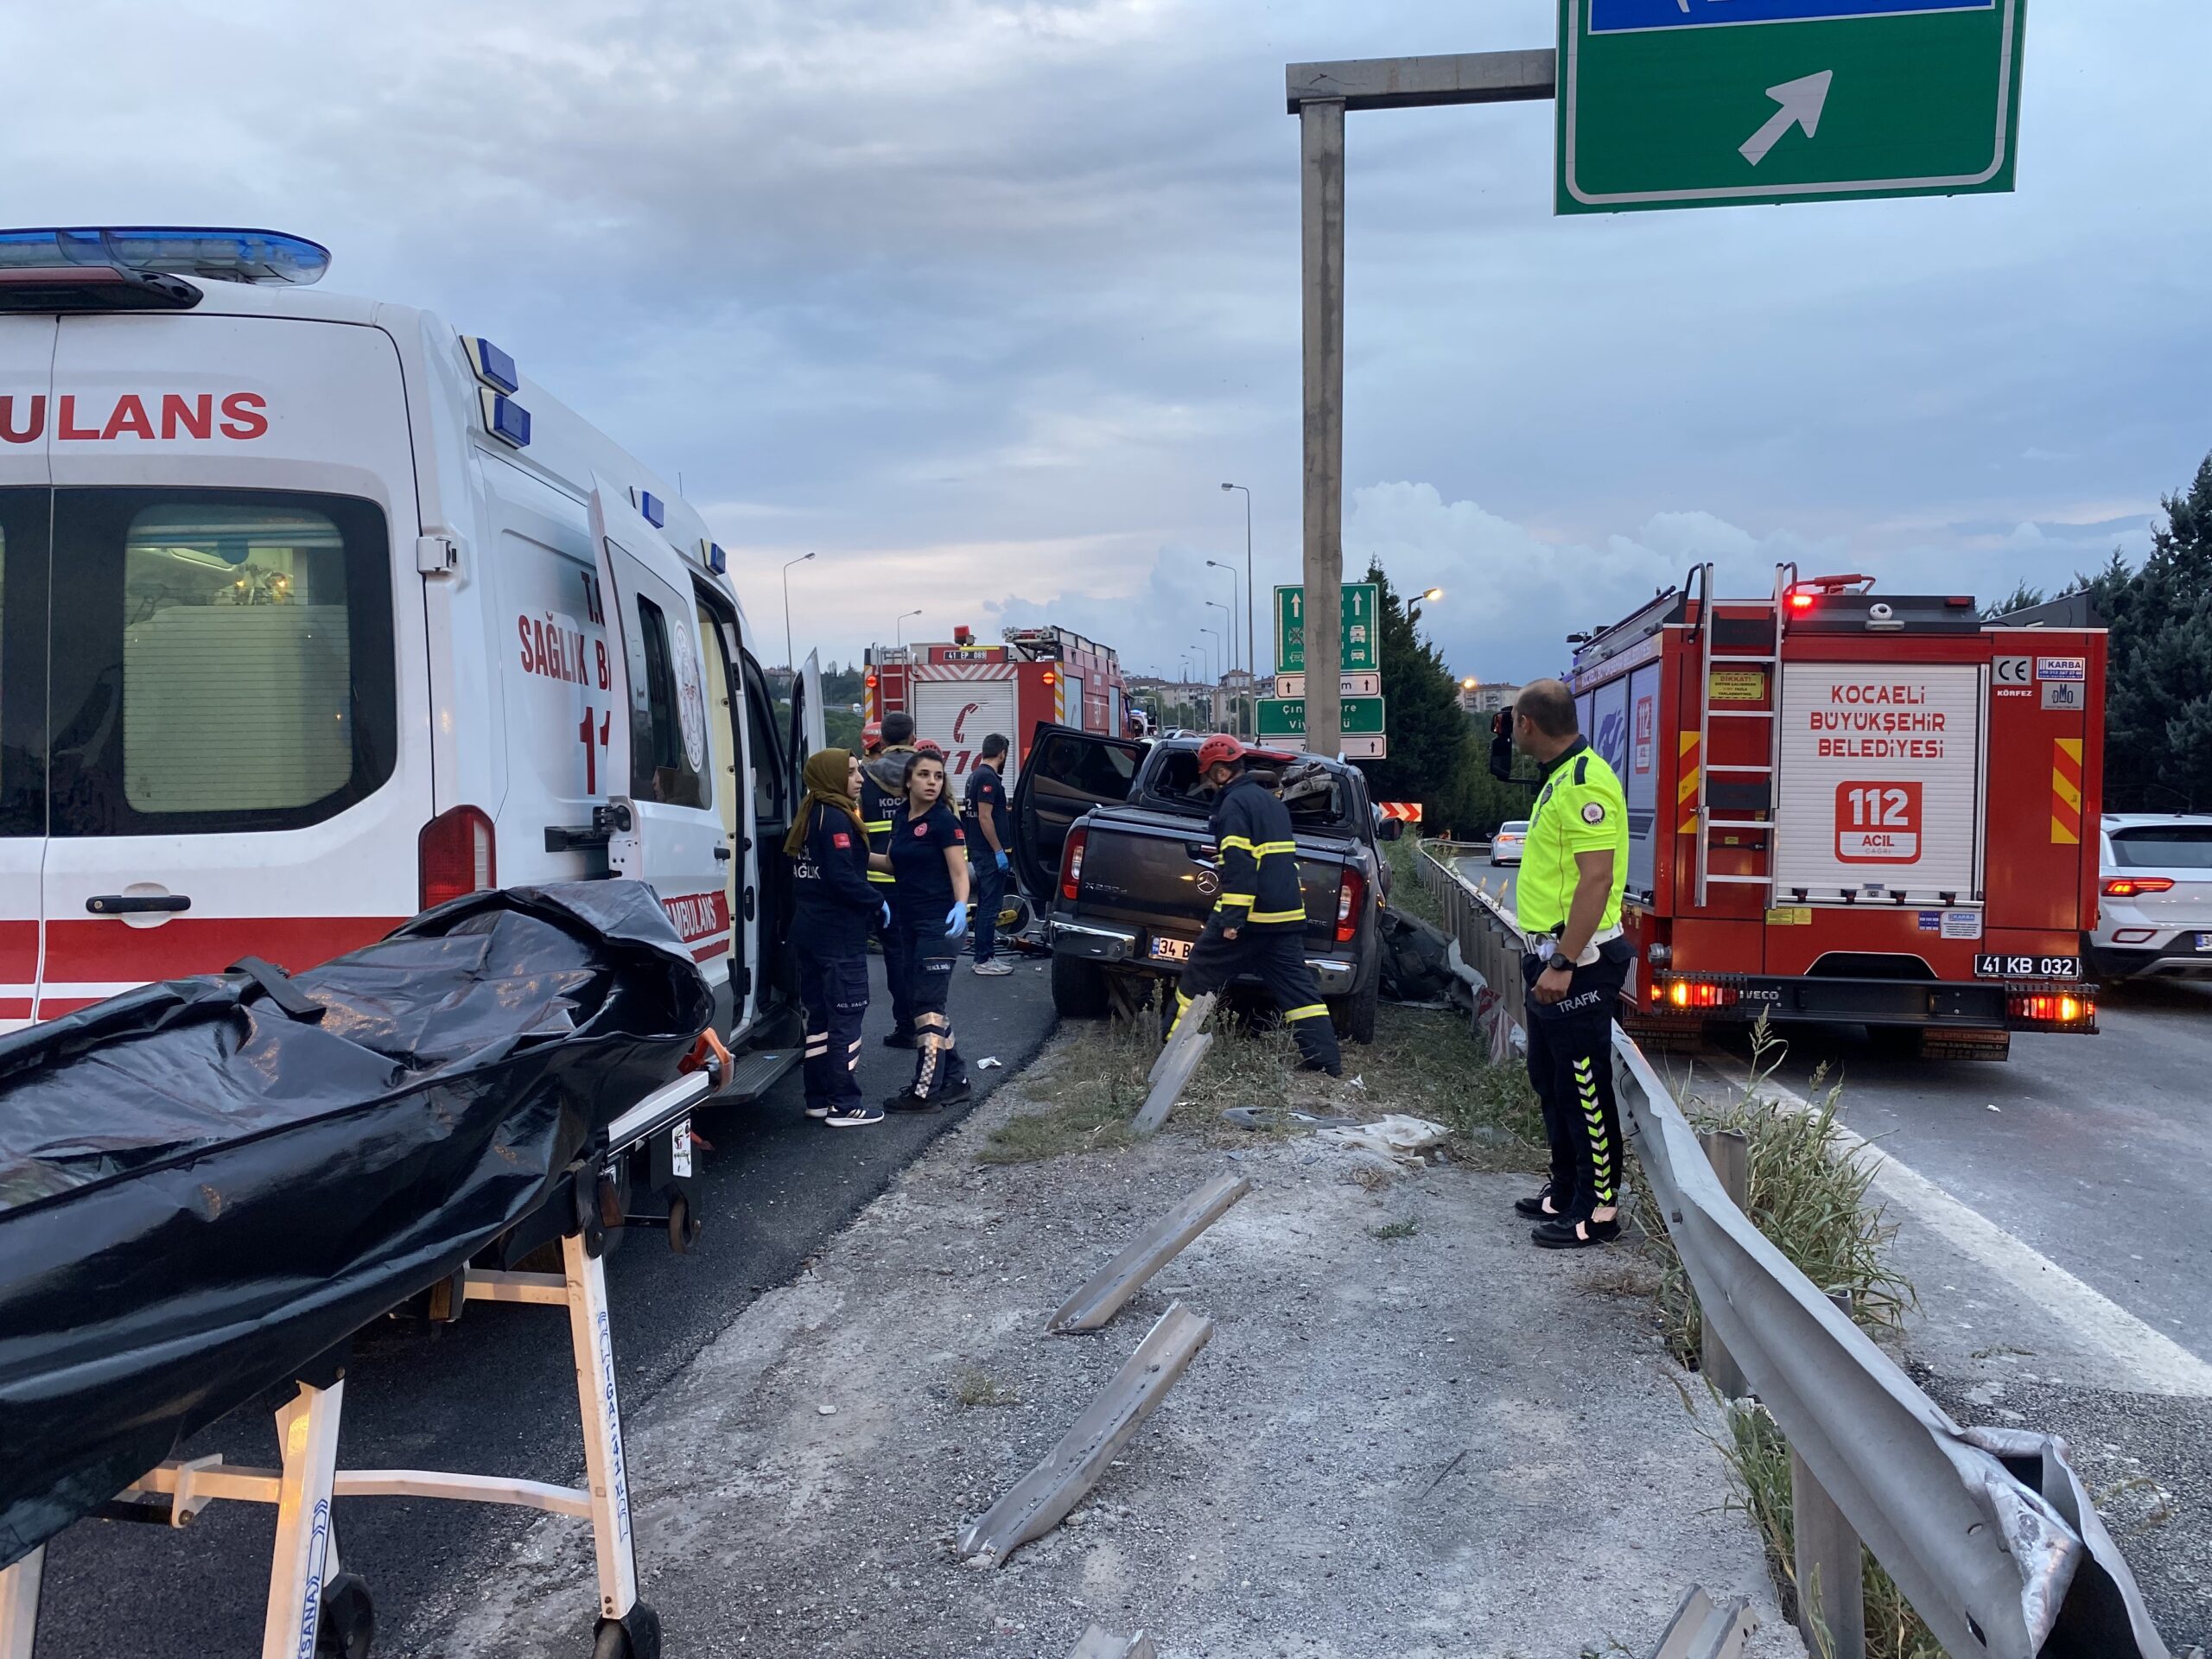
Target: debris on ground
[1394, 1134]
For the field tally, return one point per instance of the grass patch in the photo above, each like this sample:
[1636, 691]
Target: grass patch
[974, 1387]
[1426, 1063]
[1406, 892]
[1758, 1459]
[1405, 1227]
[1087, 1098]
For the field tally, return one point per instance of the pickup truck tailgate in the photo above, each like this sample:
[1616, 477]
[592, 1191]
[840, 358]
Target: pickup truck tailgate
[1165, 877]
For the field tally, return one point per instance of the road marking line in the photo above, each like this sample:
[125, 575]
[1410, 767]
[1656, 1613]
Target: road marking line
[2145, 1359]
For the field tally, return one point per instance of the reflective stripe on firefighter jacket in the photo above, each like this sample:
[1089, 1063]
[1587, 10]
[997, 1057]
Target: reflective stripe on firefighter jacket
[1259, 859]
[883, 792]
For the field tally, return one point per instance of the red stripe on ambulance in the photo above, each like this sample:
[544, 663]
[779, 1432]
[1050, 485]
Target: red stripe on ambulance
[701, 921]
[108, 952]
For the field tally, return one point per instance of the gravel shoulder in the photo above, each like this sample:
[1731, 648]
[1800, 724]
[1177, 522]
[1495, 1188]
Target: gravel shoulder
[1435, 1442]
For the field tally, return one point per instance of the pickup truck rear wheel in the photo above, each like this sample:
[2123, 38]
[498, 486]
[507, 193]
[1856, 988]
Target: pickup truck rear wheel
[1078, 988]
[1353, 1015]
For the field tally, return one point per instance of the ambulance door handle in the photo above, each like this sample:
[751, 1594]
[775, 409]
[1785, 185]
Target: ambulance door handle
[126, 903]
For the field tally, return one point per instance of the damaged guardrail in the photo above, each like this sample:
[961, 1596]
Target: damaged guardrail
[1988, 1532]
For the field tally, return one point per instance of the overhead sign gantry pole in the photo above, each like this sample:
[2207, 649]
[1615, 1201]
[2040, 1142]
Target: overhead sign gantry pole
[1320, 95]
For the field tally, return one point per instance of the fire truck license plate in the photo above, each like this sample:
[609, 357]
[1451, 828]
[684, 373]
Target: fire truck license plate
[1170, 949]
[2000, 967]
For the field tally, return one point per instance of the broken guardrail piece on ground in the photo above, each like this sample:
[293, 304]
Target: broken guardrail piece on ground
[1702, 1628]
[1178, 1059]
[1042, 1498]
[1097, 1644]
[1105, 1292]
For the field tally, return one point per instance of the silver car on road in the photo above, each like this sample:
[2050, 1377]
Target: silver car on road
[2154, 909]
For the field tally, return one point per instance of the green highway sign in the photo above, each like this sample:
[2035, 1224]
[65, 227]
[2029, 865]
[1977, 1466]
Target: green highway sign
[1286, 716]
[1715, 103]
[1360, 636]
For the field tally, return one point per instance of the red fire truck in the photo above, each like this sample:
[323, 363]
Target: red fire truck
[1853, 807]
[960, 692]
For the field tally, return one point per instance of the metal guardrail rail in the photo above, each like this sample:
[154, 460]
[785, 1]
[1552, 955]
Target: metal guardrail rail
[1988, 1532]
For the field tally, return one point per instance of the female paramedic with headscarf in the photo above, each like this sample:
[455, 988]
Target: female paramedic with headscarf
[929, 857]
[833, 907]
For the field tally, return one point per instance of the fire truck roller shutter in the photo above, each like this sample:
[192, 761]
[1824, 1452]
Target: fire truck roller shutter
[1640, 777]
[1880, 779]
[958, 715]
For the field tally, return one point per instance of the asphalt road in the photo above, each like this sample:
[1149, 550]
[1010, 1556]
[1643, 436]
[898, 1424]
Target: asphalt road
[495, 1394]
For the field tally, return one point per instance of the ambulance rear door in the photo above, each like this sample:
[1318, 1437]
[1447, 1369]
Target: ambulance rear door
[667, 828]
[237, 735]
[26, 507]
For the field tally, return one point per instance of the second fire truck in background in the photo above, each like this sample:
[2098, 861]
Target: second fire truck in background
[961, 691]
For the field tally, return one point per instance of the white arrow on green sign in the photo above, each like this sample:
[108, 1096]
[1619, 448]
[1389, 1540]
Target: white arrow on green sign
[1359, 635]
[1708, 103]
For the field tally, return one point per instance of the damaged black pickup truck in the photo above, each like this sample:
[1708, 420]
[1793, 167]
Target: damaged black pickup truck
[1111, 839]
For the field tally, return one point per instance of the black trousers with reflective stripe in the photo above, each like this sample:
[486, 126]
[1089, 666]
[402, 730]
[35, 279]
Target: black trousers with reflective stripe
[937, 1064]
[1571, 1064]
[1276, 955]
[833, 989]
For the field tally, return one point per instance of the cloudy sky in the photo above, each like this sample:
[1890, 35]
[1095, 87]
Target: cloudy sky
[982, 302]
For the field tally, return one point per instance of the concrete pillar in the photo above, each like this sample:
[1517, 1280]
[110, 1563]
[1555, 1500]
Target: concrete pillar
[1321, 143]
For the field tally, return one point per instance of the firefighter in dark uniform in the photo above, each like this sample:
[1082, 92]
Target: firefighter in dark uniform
[833, 907]
[1574, 868]
[883, 790]
[1258, 924]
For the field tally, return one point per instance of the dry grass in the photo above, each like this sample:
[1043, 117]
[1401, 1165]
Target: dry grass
[1405, 1227]
[974, 1387]
[1407, 892]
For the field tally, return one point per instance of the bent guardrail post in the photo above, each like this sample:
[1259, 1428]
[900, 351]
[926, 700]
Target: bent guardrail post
[1105, 1293]
[1178, 1057]
[1097, 1643]
[1729, 1152]
[1042, 1498]
[19, 1587]
[1702, 1628]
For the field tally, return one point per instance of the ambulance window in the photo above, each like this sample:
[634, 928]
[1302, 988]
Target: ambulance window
[222, 659]
[668, 724]
[764, 747]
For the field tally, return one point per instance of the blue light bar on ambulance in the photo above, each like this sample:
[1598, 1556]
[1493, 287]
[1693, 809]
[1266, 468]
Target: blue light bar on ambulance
[505, 419]
[650, 507]
[229, 256]
[491, 364]
[717, 561]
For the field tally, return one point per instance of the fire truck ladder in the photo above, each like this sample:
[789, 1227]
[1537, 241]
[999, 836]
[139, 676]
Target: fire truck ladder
[1769, 663]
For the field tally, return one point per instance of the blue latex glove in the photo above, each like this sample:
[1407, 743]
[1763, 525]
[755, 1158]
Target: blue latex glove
[886, 912]
[956, 921]
[1001, 858]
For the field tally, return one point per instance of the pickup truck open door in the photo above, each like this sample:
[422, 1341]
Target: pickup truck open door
[1068, 773]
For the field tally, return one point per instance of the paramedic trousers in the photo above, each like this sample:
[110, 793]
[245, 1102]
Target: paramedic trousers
[987, 885]
[1571, 1064]
[937, 1064]
[833, 989]
[898, 966]
[1276, 957]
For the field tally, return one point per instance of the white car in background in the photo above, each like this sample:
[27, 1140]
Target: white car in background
[1505, 846]
[2154, 909]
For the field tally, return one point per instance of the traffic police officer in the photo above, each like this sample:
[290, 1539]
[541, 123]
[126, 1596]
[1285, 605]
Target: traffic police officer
[1573, 870]
[883, 790]
[1258, 924]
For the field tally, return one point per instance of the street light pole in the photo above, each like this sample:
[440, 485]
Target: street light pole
[802, 559]
[1251, 637]
[1229, 662]
[1232, 608]
[899, 628]
[1214, 697]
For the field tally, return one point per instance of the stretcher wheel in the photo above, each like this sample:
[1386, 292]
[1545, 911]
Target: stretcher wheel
[682, 1226]
[636, 1635]
[349, 1624]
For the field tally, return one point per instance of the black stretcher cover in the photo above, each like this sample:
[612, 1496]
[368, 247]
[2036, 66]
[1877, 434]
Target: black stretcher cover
[201, 1193]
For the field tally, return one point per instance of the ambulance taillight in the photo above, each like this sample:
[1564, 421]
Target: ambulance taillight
[457, 855]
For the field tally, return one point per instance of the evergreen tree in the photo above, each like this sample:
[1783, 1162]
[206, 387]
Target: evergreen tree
[2019, 599]
[2158, 680]
[1428, 732]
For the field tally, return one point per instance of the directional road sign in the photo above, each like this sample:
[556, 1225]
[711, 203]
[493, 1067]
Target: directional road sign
[1360, 640]
[1351, 746]
[1286, 716]
[1348, 685]
[1710, 102]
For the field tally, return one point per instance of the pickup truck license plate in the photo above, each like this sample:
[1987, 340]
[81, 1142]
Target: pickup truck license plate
[1995, 966]
[1170, 949]
[2204, 941]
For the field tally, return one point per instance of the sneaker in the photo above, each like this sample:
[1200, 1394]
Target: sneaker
[815, 1110]
[953, 1093]
[902, 1039]
[855, 1115]
[994, 968]
[1561, 1234]
[907, 1101]
[1538, 1208]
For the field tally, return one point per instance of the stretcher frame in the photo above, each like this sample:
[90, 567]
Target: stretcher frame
[305, 1562]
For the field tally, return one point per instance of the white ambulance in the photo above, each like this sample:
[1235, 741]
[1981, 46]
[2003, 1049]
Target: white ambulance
[315, 612]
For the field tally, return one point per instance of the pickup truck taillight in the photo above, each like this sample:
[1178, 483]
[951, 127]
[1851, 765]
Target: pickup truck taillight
[1348, 902]
[1071, 864]
[457, 855]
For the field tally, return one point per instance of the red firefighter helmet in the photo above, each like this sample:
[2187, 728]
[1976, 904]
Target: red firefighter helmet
[1220, 751]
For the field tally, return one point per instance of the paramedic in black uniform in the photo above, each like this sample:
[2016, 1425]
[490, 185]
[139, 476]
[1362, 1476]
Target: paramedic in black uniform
[929, 853]
[1258, 924]
[985, 824]
[883, 786]
[833, 907]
